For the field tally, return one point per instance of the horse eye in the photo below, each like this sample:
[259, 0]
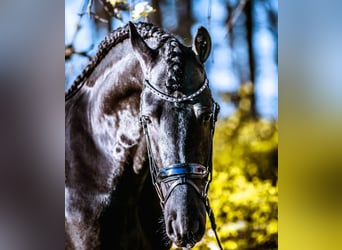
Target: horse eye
[206, 117]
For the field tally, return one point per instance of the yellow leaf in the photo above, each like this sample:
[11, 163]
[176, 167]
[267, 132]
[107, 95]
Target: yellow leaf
[114, 2]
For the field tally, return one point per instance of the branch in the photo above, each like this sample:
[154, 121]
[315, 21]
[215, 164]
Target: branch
[93, 14]
[236, 13]
[70, 50]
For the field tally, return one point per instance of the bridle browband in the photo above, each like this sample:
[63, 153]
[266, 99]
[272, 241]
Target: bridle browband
[182, 173]
[175, 99]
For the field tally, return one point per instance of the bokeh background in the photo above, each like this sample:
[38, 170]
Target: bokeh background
[243, 75]
[32, 85]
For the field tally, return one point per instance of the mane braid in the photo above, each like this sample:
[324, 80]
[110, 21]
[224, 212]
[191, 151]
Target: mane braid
[146, 30]
[174, 60]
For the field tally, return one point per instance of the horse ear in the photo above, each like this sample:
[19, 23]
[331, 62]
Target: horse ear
[140, 48]
[202, 44]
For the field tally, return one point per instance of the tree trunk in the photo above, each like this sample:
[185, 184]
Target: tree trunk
[185, 20]
[248, 10]
[156, 17]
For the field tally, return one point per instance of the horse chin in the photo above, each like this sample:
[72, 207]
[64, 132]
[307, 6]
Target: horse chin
[184, 218]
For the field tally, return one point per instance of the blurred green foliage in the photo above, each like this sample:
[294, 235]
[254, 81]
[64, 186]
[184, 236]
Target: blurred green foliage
[244, 190]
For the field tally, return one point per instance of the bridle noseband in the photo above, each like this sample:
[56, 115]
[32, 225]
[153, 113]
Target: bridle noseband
[182, 173]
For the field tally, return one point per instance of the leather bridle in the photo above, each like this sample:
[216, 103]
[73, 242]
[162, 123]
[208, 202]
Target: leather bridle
[182, 173]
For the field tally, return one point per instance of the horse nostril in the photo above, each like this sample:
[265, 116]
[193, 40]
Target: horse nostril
[178, 237]
[185, 240]
[184, 233]
[169, 228]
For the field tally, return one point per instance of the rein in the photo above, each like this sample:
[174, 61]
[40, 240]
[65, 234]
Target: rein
[184, 173]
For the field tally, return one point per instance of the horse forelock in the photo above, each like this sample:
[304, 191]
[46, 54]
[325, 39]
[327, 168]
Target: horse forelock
[146, 30]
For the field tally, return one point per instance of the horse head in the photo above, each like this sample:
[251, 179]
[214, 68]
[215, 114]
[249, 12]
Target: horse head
[178, 115]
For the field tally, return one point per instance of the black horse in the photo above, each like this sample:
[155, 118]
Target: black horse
[140, 117]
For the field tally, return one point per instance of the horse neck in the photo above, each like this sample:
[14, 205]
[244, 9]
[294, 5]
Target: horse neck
[115, 102]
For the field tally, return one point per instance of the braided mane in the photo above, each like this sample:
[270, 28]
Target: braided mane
[172, 49]
[174, 60]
